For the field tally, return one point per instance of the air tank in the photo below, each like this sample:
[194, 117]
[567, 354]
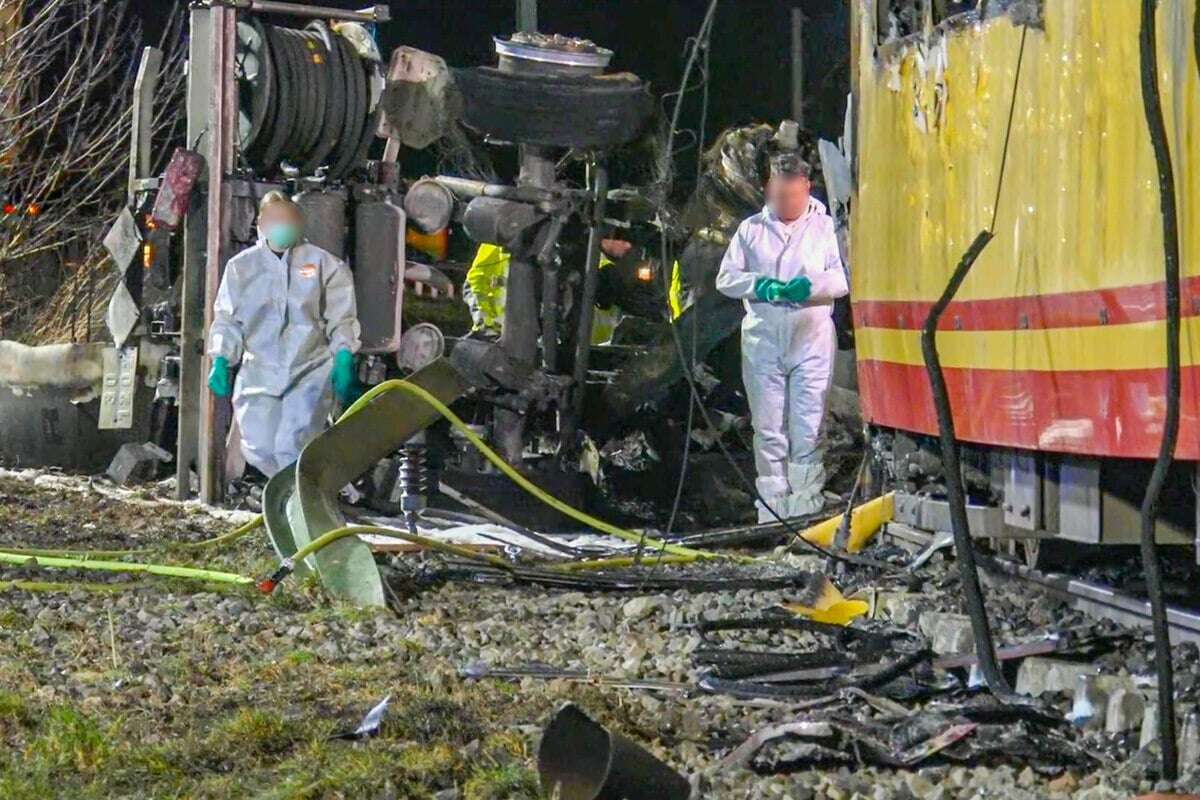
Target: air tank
[379, 227]
[324, 219]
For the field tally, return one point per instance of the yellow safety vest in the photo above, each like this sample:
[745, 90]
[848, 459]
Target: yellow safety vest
[489, 272]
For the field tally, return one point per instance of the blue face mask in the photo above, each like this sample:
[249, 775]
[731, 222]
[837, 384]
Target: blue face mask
[282, 235]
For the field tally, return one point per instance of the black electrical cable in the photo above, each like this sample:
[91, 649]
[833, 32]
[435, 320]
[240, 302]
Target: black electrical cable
[664, 173]
[668, 274]
[1152, 102]
[701, 40]
[701, 130]
[964, 549]
[843, 532]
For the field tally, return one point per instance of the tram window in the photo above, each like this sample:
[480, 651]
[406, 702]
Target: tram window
[944, 9]
[899, 18]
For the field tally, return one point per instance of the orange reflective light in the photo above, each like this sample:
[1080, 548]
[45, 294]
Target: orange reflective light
[435, 245]
[645, 273]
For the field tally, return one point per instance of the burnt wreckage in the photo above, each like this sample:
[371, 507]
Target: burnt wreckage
[302, 107]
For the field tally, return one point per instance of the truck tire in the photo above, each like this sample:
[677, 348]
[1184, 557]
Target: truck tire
[594, 111]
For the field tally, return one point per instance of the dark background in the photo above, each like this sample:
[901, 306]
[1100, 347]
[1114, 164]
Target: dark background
[751, 46]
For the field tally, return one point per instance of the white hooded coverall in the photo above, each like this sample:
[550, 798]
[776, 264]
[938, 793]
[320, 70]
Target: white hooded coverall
[787, 350]
[283, 317]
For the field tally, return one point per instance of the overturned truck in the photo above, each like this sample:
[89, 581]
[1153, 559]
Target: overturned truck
[299, 99]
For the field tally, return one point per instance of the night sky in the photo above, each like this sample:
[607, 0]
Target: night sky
[751, 59]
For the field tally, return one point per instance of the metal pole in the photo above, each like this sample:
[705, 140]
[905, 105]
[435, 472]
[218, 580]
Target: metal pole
[191, 341]
[527, 16]
[519, 336]
[587, 310]
[223, 118]
[548, 260]
[376, 13]
[798, 66]
[144, 87]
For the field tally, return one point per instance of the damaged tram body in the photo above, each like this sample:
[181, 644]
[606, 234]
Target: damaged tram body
[1054, 347]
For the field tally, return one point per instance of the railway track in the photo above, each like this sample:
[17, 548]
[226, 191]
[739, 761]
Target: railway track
[1094, 599]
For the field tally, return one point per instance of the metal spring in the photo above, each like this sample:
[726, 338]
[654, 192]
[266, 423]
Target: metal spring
[414, 471]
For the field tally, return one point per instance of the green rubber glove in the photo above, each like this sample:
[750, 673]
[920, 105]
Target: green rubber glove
[767, 290]
[218, 377]
[344, 380]
[797, 290]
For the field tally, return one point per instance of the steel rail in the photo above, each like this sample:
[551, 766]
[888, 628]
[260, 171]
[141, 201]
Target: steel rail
[1098, 600]
[1094, 599]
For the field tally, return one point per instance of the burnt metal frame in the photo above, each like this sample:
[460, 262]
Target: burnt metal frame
[212, 128]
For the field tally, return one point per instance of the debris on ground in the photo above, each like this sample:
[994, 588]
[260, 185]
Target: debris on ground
[370, 724]
[137, 462]
[137, 686]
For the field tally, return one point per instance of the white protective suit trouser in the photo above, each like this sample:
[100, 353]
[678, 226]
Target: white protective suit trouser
[280, 427]
[787, 351]
[283, 317]
[787, 365]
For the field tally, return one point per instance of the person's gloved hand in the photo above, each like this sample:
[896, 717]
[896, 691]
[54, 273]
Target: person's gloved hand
[344, 380]
[797, 290]
[218, 377]
[767, 289]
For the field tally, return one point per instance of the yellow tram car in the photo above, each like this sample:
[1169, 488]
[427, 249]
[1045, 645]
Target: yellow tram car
[1054, 348]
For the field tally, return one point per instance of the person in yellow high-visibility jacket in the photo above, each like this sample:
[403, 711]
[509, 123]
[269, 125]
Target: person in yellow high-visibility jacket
[484, 289]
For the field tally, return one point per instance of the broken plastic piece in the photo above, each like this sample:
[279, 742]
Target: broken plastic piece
[865, 522]
[136, 461]
[267, 585]
[830, 606]
[370, 725]
[175, 194]
[1090, 704]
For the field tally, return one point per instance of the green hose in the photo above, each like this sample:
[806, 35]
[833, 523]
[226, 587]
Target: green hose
[211, 576]
[521, 480]
[225, 538]
[93, 559]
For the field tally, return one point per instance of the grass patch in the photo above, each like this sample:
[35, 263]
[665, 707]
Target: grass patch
[252, 732]
[13, 707]
[298, 657]
[206, 709]
[11, 619]
[432, 717]
[71, 740]
[509, 782]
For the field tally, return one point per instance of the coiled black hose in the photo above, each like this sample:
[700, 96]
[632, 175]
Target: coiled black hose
[1152, 102]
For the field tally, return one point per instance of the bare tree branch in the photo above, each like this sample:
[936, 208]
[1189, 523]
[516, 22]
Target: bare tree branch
[67, 71]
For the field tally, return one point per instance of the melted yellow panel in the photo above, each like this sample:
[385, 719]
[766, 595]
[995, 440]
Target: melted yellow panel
[1080, 205]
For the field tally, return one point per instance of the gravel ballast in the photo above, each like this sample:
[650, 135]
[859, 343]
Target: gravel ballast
[118, 687]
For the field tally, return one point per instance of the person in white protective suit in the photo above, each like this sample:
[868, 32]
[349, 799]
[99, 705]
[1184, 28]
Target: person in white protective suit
[286, 311]
[783, 262]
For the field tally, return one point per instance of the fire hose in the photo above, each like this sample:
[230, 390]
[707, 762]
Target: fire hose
[520, 480]
[92, 560]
